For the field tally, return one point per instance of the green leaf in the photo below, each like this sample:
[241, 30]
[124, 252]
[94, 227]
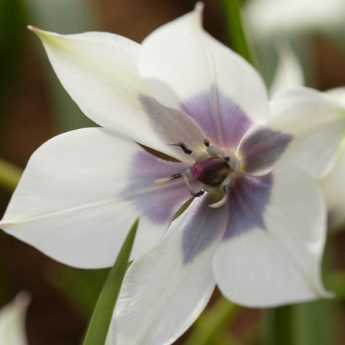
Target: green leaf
[280, 326]
[312, 323]
[316, 323]
[101, 318]
[236, 31]
[212, 323]
[81, 287]
[9, 175]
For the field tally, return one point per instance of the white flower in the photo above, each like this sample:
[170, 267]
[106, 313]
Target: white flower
[269, 18]
[12, 322]
[256, 225]
[289, 75]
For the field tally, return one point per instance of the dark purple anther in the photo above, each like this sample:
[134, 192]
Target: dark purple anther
[211, 172]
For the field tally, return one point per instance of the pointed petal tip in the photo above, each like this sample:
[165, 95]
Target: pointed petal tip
[23, 299]
[43, 35]
[197, 13]
[3, 224]
[35, 29]
[199, 7]
[328, 294]
[324, 293]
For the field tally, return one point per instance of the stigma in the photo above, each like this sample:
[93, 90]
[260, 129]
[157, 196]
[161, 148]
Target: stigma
[211, 172]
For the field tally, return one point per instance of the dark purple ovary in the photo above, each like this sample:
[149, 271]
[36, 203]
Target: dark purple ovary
[211, 172]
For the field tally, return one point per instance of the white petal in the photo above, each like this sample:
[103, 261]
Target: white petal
[174, 127]
[165, 291]
[280, 263]
[80, 193]
[333, 188]
[332, 183]
[337, 94]
[12, 322]
[273, 17]
[99, 71]
[289, 73]
[317, 124]
[185, 58]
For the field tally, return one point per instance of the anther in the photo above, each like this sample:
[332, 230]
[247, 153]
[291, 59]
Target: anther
[198, 194]
[206, 143]
[168, 179]
[184, 148]
[175, 176]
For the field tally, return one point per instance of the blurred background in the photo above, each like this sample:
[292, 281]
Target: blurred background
[34, 107]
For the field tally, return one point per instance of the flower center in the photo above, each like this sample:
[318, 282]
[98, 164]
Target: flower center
[211, 172]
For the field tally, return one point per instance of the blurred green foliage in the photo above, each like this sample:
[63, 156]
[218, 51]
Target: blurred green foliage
[81, 287]
[13, 17]
[9, 175]
[210, 327]
[236, 31]
[62, 16]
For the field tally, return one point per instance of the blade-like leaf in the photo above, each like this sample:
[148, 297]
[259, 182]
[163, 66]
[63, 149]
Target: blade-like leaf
[236, 30]
[101, 318]
[280, 325]
[316, 323]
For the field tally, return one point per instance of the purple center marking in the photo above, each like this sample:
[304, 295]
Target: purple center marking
[158, 202]
[248, 196]
[262, 148]
[236, 122]
[248, 200]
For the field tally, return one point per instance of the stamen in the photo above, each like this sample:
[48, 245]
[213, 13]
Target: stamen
[214, 151]
[198, 194]
[206, 143]
[176, 176]
[167, 179]
[186, 177]
[184, 148]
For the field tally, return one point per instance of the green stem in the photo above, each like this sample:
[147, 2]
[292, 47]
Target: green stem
[212, 322]
[236, 31]
[279, 326]
[9, 175]
[316, 323]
